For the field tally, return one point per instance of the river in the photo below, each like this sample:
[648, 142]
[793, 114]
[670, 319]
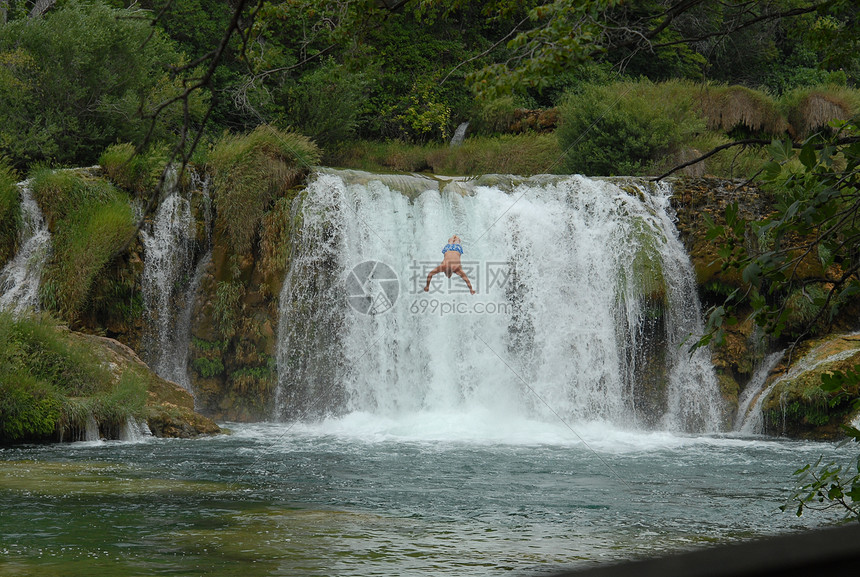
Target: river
[431, 494]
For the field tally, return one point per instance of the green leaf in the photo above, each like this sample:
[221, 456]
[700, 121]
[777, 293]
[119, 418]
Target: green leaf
[831, 382]
[752, 273]
[781, 151]
[772, 170]
[807, 156]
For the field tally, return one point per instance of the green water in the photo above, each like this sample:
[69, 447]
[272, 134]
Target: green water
[338, 499]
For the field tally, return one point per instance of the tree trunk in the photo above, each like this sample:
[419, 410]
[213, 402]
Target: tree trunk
[40, 7]
[4, 8]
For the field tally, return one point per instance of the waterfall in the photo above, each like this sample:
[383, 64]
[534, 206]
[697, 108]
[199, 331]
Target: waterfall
[585, 300]
[134, 430]
[170, 280]
[91, 430]
[459, 134]
[19, 279]
[753, 422]
[747, 421]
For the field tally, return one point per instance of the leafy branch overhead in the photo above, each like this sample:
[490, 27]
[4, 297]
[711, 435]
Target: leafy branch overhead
[807, 247]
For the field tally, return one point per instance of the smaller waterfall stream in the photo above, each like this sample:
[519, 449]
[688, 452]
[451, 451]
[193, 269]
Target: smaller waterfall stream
[170, 280]
[20, 278]
[747, 421]
[753, 420]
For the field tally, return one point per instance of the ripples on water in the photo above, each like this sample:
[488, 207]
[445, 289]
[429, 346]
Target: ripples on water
[363, 496]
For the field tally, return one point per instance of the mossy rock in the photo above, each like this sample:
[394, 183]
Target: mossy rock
[797, 406]
[56, 383]
[169, 408]
[692, 199]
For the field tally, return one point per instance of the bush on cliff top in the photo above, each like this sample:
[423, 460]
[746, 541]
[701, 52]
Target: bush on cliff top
[251, 171]
[90, 220]
[626, 128]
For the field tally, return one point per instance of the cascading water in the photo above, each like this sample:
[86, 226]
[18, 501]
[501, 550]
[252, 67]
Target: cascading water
[750, 421]
[753, 422]
[20, 278]
[170, 281]
[585, 298]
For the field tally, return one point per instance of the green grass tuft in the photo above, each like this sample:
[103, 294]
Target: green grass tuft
[90, 220]
[137, 173]
[10, 213]
[251, 171]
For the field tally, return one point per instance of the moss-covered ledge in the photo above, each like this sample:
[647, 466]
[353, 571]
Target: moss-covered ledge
[60, 385]
[169, 409]
[797, 406]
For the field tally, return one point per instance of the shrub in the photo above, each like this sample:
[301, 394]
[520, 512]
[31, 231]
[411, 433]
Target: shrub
[324, 104]
[626, 127]
[208, 368]
[495, 116]
[10, 213]
[91, 220]
[728, 108]
[75, 80]
[135, 172]
[251, 171]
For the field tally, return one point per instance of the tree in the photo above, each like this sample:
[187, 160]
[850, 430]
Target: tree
[62, 100]
[684, 34]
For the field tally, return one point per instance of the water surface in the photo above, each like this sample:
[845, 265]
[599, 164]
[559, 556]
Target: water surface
[428, 495]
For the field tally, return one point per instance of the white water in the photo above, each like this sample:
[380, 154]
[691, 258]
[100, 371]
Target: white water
[134, 431]
[565, 322]
[750, 422]
[753, 423]
[168, 290]
[20, 278]
[459, 134]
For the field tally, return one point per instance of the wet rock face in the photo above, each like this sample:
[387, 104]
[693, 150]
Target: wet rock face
[797, 406]
[232, 351]
[169, 408]
[693, 199]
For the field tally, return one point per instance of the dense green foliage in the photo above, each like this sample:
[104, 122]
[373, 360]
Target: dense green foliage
[90, 221]
[625, 128]
[340, 71]
[251, 171]
[10, 213]
[808, 244]
[80, 78]
[51, 384]
[827, 485]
